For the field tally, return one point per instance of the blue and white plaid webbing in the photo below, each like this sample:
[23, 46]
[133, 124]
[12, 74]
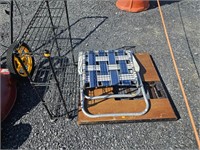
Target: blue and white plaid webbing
[108, 68]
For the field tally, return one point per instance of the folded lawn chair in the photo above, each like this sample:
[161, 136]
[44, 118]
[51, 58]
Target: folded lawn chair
[112, 68]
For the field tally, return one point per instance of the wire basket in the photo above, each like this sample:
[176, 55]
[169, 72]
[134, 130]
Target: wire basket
[49, 41]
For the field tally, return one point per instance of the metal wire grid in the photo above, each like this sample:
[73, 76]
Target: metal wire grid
[55, 84]
[44, 26]
[48, 26]
[68, 82]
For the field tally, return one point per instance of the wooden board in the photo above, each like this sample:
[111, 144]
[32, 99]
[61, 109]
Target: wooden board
[160, 108]
[147, 70]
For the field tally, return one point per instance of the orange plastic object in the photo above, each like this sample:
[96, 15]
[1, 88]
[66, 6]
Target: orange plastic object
[133, 5]
[8, 92]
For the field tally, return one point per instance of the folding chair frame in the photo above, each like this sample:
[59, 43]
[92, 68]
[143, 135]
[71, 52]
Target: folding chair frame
[83, 69]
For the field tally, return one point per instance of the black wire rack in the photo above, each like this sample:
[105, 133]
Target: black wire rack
[55, 78]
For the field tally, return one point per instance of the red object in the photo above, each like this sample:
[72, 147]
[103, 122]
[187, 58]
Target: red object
[133, 5]
[8, 92]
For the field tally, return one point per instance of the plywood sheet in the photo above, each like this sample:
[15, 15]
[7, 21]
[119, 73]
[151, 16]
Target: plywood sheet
[147, 69]
[160, 108]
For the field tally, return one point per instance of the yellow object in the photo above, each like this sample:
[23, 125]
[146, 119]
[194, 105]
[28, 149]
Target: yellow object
[27, 60]
[47, 55]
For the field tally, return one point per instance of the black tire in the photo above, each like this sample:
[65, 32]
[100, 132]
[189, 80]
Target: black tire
[11, 63]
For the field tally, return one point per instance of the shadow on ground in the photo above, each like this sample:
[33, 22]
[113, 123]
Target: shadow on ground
[153, 3]
[15, 133]
[167, 92]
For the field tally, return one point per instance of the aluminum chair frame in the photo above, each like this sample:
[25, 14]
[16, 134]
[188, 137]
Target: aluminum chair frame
[88, 70]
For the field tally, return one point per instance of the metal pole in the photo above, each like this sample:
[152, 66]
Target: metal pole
[15, 53]
[11, 21]
[47, 55]
[69, 27]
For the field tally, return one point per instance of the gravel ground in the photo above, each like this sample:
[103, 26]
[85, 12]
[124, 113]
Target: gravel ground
[28, 125]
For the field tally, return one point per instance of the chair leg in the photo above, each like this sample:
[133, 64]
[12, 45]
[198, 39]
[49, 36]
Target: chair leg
[117, 114]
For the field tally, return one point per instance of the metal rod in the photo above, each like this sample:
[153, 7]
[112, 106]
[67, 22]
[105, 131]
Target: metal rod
[15, 53]
[69, 28]
[53, 27]
[11, 21]
[40, 22]
[47, 55]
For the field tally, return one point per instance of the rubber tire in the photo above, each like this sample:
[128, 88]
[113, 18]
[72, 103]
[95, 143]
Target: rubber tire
[10, 60]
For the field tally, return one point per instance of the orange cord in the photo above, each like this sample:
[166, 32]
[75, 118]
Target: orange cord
[179, 78]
